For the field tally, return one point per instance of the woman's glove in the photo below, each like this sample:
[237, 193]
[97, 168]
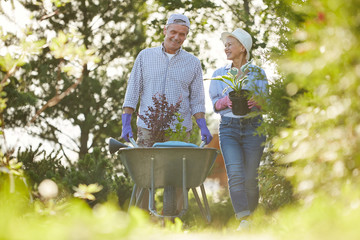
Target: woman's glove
[205, 133]
[223, 103]
[126, 127]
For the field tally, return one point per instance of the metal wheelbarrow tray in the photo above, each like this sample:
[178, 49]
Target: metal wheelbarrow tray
[182, 167]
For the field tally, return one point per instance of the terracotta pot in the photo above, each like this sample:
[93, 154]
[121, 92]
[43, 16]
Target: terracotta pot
[240, 102]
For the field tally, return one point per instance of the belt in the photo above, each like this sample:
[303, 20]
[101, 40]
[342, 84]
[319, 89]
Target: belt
[242, 120]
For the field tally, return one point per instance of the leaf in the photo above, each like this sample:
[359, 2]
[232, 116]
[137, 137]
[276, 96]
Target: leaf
[233, 71]
[245, 66]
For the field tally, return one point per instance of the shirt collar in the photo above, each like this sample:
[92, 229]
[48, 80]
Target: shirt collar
[163, 49]
[228, 66]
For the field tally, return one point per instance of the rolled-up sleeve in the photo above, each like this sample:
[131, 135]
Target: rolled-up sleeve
[197, 94]
[216, 87]
[134, 86]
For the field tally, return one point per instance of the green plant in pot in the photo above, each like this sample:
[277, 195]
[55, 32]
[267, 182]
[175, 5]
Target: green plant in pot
[237, 81]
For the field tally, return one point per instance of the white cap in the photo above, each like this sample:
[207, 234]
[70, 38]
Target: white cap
[178, 19]
[242, 36]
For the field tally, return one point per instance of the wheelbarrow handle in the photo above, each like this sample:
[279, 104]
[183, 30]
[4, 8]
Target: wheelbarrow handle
[133, 142]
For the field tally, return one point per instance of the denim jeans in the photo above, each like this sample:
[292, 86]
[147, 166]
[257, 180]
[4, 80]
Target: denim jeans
[242, 151]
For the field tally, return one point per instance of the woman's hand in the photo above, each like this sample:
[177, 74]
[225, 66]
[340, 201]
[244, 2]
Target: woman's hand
[223, 103]
[252, 103]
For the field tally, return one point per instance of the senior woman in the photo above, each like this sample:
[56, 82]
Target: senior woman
[240, 147]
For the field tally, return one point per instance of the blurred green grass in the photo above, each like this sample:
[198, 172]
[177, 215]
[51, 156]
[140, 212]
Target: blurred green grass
[320, 217]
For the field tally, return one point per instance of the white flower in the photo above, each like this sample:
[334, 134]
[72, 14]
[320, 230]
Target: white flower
[48, 189]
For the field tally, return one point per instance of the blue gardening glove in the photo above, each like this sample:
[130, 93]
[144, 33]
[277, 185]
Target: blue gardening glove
[126, 127]
[205, 133]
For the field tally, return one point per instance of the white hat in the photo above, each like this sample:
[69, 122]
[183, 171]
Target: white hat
[242, 36]
[178, 19]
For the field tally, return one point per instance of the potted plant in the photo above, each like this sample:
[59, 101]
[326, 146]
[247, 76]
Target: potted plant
[238, 96]
[160, 117]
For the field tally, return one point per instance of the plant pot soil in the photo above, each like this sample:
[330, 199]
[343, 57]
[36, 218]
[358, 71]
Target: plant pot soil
[240, 102]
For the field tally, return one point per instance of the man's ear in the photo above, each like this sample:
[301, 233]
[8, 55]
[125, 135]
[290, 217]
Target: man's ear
[164, 31]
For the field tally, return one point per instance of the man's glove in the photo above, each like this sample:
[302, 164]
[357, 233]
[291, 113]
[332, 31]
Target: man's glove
[205, 133]
[126, 127]
[223, 103]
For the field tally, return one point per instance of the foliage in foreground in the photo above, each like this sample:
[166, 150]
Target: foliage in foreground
[92, 168]
[321, 141]
[71, 218]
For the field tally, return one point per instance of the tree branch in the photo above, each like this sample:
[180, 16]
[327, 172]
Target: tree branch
[56, 99]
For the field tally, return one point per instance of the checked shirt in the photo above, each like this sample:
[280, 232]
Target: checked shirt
[178, 78]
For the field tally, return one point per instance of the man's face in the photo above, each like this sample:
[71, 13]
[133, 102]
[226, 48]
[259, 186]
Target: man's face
[175, 36]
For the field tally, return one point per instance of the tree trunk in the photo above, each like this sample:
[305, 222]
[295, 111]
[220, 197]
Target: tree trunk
[84, 137]
[85, 126]
[247, 13]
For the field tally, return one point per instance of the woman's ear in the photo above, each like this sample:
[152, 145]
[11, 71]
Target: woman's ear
[243, 48]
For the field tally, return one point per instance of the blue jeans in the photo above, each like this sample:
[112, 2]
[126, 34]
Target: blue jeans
[242, 151]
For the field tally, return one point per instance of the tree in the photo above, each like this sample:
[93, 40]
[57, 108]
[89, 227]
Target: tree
[89, 94]
[94, 103]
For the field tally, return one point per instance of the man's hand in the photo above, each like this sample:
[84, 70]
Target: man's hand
[205, 133]
[126, 127]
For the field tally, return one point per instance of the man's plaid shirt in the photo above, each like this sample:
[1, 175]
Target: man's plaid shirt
[178, 78]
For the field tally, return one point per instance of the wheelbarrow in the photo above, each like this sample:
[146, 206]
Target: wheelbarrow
[176, 164]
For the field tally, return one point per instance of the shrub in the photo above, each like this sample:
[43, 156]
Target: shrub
[92, 168]
[275, 189]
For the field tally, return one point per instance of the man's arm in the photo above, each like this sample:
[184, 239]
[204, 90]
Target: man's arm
[199, 115]
[128, 110]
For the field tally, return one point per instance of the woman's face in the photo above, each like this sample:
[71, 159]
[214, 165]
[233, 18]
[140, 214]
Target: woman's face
[234, 49]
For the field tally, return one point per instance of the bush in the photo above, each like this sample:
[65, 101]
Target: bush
[93, 168]
[275, 189]
[39, 166]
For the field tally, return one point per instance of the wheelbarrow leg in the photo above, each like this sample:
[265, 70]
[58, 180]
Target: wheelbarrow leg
[136, 200]
[140, 196]
[184, 189]
[152, 189]
[206, 204]
[133, 196]
[205, 212]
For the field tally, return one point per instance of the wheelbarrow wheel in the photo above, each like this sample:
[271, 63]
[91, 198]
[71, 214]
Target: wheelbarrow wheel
[169, 202]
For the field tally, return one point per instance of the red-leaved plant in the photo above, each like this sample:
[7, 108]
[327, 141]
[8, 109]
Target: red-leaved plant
[158, 118]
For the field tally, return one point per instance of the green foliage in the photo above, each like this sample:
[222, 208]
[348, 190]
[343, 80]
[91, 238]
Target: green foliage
[321, 140]
[84, 191]
[68, 79]
[276, 109]
[222, 212]
[235, 80]
[275, 190]
[39, 165]
[94, 168]
[324, 218]
[80, 74]
[179, 132]
[64, 220]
